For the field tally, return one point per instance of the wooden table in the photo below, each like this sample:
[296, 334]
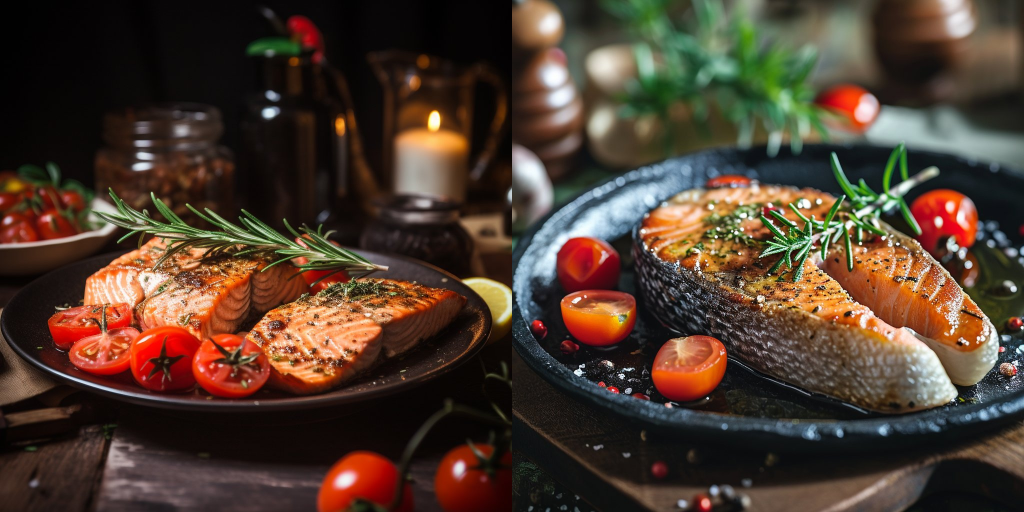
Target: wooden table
[133, 458]
[607, 459]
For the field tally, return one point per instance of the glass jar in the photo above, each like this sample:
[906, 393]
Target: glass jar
[170, 150]
[422, 227]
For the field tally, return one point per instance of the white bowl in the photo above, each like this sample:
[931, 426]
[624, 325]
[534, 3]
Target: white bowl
[38, 257]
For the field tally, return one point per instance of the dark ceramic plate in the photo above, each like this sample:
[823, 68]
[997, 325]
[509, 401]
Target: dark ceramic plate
[748, 408]
[24, 327]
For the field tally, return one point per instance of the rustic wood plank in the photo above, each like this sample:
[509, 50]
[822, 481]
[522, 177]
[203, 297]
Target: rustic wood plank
[607, 460]
[61, 474]
[165, 461]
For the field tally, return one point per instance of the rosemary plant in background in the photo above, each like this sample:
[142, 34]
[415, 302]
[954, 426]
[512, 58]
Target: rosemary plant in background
[253, 236]
[717, 61]
[795, 243]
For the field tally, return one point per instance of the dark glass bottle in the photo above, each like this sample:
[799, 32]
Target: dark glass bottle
[301, 157]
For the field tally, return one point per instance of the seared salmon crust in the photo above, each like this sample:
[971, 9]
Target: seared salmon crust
[323, 341]
[893, 335]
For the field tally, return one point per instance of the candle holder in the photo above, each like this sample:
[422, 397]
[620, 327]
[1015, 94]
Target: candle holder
[428, 112]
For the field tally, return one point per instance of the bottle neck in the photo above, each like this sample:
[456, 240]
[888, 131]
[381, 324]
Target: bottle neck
[283, 76]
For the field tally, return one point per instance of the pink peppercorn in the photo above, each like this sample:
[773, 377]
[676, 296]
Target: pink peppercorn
[659, 470]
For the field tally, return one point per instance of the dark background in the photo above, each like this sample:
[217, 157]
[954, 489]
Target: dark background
[66, 65]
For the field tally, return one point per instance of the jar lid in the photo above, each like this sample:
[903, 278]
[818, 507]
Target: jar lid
[163, 124]
[417, 209]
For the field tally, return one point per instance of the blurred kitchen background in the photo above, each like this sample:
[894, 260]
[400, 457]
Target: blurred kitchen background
[946, 74]
[321, 112]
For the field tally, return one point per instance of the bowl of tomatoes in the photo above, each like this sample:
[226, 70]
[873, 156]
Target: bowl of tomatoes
[46, 222]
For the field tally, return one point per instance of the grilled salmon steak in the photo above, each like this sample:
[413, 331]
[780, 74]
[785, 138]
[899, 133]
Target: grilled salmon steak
[892, 335]
[207, 296]
[322, 341]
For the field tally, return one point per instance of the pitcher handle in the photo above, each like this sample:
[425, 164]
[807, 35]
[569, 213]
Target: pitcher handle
[486, 73]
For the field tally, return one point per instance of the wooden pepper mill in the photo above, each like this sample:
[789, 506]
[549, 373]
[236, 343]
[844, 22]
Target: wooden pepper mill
[546, 111]
[918, 43]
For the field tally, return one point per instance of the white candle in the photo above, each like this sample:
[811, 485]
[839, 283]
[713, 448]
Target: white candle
[431, 161]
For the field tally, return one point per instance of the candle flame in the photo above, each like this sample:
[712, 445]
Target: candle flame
[434, 121]
[339, 126]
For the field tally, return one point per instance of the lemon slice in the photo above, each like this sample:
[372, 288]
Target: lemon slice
[499, 299]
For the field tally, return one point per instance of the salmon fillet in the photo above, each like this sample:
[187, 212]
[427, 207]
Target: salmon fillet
[323, 341]
[207, 296]
[907, 287]
[835, 332]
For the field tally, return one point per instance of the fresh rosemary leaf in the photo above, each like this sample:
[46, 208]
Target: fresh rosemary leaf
[794, 243]
[249, 236]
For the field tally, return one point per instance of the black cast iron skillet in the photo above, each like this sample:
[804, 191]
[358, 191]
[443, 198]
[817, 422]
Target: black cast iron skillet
[24, 327]
[748, 409]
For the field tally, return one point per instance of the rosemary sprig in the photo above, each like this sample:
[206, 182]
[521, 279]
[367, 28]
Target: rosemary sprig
[795, 243]
[718, 61]
[251, 237]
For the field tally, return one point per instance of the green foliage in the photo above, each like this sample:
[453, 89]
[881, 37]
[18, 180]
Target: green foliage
[252, 236]
[717, 60]
[866, 206]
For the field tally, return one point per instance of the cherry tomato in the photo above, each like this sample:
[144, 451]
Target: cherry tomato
[72, 199]
[364, 476]
[107, 353]
[689, 368]
[162, 358]
[45, 196]
[230, 366]
[942, 213]
[18, 233]
[465, 482]
[51, 224]
[728, 181]
[316, 278]
[857, 107]
[72, 324]
[13, 218]
[587, 264]
[11, 182]
[8, 200]
[308, 35]
[599, 317]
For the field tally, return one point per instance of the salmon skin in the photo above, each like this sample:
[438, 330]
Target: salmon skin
[322, 341]
[206, 295]
[892, 335]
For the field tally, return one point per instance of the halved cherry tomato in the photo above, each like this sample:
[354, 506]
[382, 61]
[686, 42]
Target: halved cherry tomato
[942, 213]
[728, 181]
[587, 264]
[107, 353]
[18, 233]
[857, 107]
[689, 368]
[51, 224]
[364, 476]
[72, 199]
[230, 366]
[599, 317]
[72, 324]
[319, 280]
[467, 482]
[162, 358]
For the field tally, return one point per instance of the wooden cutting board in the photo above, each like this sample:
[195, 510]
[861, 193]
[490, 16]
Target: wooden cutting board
[607, 459]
